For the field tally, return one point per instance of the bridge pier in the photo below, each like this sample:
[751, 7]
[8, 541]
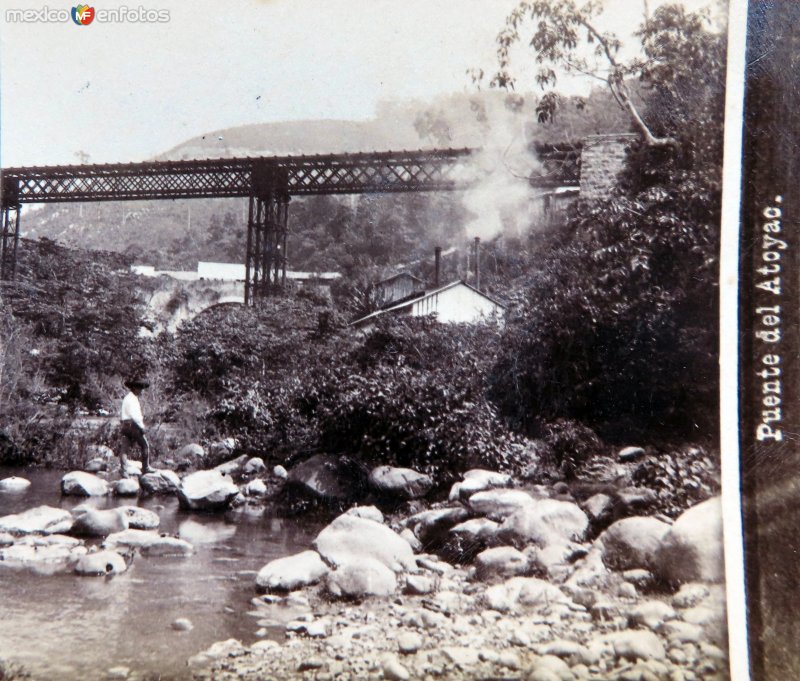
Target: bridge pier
[267, 228]
[9, 234]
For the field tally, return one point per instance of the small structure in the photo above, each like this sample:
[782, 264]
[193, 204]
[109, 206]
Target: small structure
[398, 287]
[232, 271]
[455, 303]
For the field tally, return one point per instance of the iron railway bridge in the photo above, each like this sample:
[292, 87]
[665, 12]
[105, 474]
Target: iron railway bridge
[268, 183]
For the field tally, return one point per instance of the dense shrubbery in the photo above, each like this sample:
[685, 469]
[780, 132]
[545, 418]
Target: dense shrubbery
[83, 314]
[680, 479]
[410, 393]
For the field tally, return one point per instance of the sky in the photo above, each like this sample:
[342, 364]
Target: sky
[120, 92]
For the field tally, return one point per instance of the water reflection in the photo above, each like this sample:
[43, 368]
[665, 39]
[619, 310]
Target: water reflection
[70, 627]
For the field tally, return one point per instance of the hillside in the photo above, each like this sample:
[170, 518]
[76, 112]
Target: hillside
[329, 232]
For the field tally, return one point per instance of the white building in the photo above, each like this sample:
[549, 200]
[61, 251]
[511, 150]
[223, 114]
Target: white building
[456, 303]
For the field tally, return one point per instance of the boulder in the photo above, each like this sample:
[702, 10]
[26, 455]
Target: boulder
[191, 451]
[498, 504]
[468, 539]
[690, 595]
[328, 479]
[254, 465]
[502, 561]
[544, 522]
[160, 482]
[39, 520]
[96, 465]
[101, 563]
[133, 468]
[234, 466]
[399, 483]
[140, 518]
[93, 522]
[479, 480]
[692, 549]
[126, 487]
[42, 555]
[630, 454]
[478, 530]
[527, 591]
[366, 512]
[650, 614]
[292, 572]
[632, 543]
[206, 491]
[350, 539]
[149, 543]
[100, 452]
[255, 488]
[14, 484]
[280, 472]
[366, 577]
[598, 507]
[630, 501]
[630, 644]
[433, 527]
[590, 571]
[82, 484]
[551, 559]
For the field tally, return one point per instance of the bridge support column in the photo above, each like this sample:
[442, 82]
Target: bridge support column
[267, 228]
[9, 231]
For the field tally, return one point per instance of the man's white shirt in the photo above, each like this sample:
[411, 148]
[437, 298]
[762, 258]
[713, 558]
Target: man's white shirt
[131, 410]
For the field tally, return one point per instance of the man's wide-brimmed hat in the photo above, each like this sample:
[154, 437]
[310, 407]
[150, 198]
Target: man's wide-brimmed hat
[132, 383]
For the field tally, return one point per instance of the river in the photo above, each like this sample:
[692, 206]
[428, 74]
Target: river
[71, 627]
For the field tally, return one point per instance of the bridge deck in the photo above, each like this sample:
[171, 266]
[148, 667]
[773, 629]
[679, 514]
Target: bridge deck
[373, 172]
[421, 170]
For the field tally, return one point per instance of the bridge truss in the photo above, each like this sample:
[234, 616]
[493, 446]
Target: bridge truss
[268, 182]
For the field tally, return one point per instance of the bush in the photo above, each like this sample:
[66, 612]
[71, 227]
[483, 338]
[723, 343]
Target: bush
[569, 445]
[429, 421]
[680, 479]
[619, 327]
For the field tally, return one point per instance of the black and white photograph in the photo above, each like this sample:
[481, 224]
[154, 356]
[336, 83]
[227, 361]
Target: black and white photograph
[443, 339]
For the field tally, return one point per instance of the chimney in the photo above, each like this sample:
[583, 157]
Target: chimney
[477, 263]
[438, 267]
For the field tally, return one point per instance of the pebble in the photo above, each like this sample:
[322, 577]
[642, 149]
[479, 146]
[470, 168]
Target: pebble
[310, 663]
[409, 642]
[510, 659]
[419, 585]
[520, 638]
[182, 624]
[394, 671]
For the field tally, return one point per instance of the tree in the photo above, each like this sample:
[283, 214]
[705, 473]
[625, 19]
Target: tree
[673, 44]
[618, 329]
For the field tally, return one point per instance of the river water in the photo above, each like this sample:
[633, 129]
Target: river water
[71, 627]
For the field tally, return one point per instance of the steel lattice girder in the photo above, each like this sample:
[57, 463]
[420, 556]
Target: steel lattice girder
[424, 170]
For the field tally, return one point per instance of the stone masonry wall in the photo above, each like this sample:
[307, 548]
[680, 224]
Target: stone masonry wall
[602, 159]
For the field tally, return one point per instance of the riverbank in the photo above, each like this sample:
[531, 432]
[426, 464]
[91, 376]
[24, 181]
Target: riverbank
[523, 596]
[505, 578]
[453, 634]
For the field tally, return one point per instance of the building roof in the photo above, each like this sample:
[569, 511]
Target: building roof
[410, 300]
[397, 276]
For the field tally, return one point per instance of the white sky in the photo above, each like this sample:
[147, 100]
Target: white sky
[125, 92]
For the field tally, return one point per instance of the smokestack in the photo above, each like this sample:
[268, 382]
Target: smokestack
[477, 262]
[438, 266]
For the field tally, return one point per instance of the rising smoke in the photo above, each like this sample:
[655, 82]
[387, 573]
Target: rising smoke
[501, 198]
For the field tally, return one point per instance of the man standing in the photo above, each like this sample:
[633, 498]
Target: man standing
[132, 425]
